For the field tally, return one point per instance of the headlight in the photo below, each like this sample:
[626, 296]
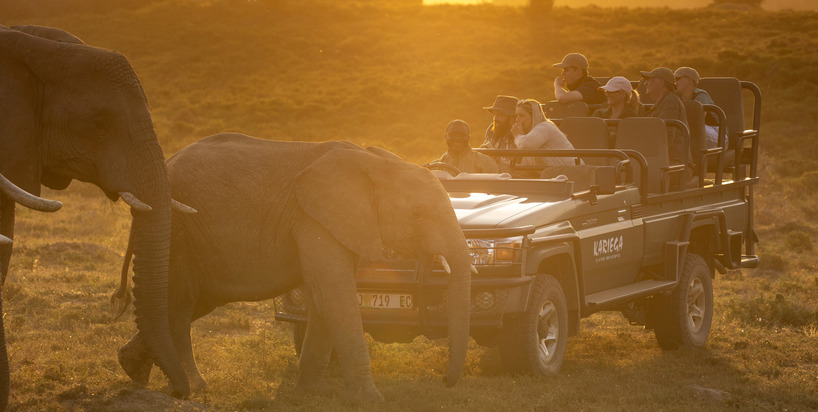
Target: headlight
[486, 252]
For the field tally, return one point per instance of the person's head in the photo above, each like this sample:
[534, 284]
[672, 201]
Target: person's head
[687, 78]
[457, 136]
[529, 113]
[618, 90]
[659, 82]
[503, 112]
[574, 67]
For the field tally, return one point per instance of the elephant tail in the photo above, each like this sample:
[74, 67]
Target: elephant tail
[122, 297]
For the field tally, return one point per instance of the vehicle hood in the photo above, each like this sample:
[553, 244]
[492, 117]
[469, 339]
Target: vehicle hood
[487, 211]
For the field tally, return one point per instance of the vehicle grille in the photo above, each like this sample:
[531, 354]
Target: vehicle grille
[486, 304]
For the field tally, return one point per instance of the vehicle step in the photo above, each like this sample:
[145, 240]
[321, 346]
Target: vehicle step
[634, 290]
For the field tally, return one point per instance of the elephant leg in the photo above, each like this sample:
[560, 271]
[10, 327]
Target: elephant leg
[315, 355]
[180, 321]
[135, 360]
[328, 272]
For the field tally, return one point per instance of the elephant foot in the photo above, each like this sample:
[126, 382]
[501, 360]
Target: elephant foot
[134, 360]
[319, 387]
[366, 394]
[197, 383]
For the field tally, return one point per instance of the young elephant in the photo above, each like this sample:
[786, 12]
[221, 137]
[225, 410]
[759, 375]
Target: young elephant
[273, 215]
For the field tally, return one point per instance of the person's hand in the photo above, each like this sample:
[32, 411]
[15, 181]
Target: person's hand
[558, 82]
[517, 129]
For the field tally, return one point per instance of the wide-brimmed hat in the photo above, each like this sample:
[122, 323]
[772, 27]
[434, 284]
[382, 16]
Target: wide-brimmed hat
[506, 105]
[573, 59]
[457, 129]
[618, 83]
[661, 72]
[687, 72]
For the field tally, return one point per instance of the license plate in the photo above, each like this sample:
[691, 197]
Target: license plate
[385, 300]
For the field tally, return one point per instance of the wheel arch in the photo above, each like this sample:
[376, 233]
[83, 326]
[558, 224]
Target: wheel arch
[558, 261]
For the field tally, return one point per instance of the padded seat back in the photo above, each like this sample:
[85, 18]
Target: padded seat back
[556, 110]
[587, 133]
[726, 93]
[648, 136]
[695, 124]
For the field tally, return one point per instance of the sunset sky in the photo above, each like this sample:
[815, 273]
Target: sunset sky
[768, 4]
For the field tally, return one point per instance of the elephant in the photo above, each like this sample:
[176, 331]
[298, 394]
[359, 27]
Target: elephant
[274, 215]
[72, 111]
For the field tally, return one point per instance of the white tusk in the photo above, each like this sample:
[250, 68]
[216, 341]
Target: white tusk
[4, 241]
[473, 270]
[444, 263]
[181, 207]
[134, 202]
[27, 199]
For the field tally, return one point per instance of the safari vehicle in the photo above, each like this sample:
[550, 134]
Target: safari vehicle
[624, 231]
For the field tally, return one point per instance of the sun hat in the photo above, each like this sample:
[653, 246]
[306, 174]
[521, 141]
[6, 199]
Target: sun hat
[618, 83]
[661, 72]
[573, 59]
[506, 105]
[457, 129]
[687, 72]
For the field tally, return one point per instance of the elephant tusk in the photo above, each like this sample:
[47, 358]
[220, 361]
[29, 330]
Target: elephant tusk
[473, 270]
[27, 199]
[134, 202]
[4, 241]
[181, 207]
[442, 260]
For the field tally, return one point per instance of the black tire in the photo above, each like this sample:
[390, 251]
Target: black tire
[534, 343]
[683, 319]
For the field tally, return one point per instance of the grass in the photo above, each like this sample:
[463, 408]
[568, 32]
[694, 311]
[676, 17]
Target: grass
[394, 76]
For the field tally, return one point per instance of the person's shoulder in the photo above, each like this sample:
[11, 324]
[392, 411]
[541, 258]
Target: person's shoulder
[702, 96]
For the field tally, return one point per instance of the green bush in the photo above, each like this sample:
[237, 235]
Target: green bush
[771, 310]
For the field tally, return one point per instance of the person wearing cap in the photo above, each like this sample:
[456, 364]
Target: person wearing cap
[660, 88]
[498, 134]
[533, 131]
[623, 101]
[687, 80]
[574, 84]
[460, 154]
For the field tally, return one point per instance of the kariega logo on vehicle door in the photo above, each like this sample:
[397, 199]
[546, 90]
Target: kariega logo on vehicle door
[608, 248]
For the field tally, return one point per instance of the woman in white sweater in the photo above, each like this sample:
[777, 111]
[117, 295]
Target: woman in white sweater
[533, 131]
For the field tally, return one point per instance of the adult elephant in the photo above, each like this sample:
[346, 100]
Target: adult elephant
[274, 215]
[72, 111]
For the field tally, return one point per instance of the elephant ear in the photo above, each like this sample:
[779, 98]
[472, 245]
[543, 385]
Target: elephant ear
[336, 190]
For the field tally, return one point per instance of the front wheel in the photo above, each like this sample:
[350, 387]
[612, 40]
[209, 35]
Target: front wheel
[535, 342]
[683, 319]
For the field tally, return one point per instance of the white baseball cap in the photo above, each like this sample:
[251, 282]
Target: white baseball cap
[618, 83]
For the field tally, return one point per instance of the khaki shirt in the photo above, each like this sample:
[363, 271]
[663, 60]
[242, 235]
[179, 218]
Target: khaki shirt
[471, 162]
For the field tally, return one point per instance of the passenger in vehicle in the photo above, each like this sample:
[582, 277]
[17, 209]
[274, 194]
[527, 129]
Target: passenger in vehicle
[533, 131]
[687, 80]
[460, 154]
[574, 84]
[659, 87]
[498, 134]
[623, 100]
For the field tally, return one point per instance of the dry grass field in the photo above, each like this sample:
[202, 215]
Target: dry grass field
[393, 75]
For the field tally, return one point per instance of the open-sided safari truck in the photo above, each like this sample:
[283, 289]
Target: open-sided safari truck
[624, 231]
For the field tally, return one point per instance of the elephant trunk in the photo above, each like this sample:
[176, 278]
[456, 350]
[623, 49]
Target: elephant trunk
[459, 306]
[151, 246]
[6, 229]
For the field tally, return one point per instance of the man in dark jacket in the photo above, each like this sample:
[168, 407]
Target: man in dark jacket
[659, 86]
[574, 84]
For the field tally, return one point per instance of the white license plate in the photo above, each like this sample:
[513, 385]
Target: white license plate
[385, 300]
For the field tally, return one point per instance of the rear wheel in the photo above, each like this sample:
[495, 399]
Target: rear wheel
[535, 342]
[683, 318]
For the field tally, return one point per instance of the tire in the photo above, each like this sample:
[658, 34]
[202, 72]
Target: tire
[683, 319]
[534, 342]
